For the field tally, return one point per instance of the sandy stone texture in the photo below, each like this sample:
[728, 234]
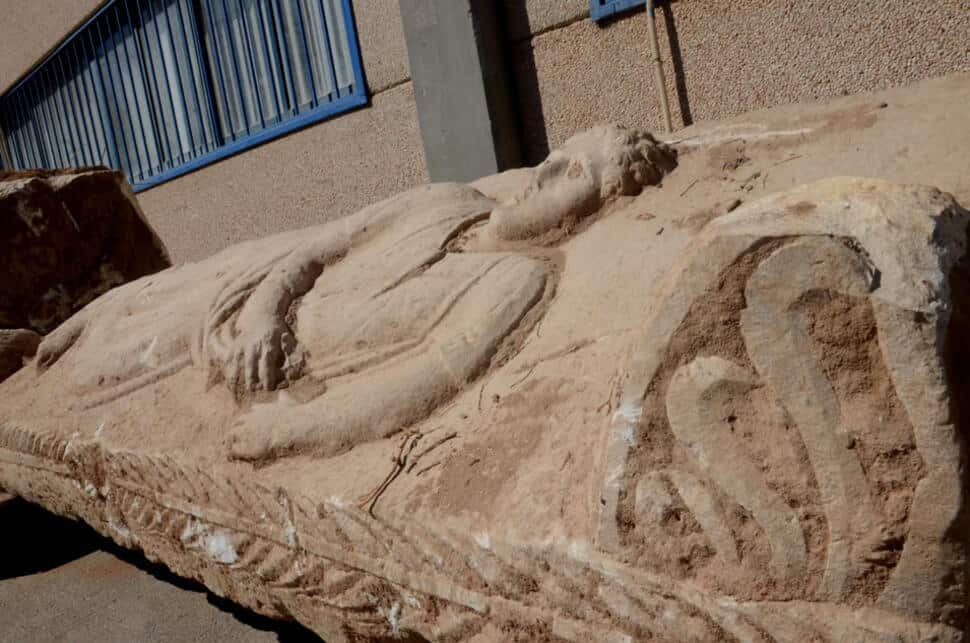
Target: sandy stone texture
[632, 393]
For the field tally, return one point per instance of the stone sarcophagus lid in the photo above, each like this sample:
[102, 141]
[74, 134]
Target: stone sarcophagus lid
[454, 417]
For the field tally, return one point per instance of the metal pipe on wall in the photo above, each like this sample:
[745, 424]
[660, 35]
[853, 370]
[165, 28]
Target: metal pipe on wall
[658, 67]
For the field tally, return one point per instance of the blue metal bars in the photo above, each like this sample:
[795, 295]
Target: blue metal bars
[603, 9]
[158, 88]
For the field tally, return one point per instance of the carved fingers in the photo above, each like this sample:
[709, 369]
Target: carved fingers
[242, 342]
[256, 359]
[232, 297]
[254, 362]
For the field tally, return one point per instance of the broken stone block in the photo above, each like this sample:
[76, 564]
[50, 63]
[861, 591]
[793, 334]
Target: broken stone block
[67, 237]
[447, 416]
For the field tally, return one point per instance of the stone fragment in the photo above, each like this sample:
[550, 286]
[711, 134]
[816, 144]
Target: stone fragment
[67, 237]
[448, 417]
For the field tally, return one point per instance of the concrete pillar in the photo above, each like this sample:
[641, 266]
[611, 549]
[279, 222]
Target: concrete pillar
[462, 87]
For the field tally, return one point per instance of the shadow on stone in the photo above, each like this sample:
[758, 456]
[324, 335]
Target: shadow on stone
[35, 541]
[41, 541]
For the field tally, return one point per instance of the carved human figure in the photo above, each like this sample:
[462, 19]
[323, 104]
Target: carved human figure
[414, 321]
[783, 460]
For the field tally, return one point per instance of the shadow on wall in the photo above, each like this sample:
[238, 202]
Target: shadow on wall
[42, 542]
[525, 84]
[528, 96]
[677, 60]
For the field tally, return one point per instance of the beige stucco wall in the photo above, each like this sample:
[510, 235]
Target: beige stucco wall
[29, 29]
[315, 175]
[735, 56]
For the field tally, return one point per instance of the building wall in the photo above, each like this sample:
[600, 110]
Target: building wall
[29, 29]
[721, 57]
[316, 174]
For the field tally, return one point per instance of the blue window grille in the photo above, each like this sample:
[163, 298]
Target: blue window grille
[158, 88]
[602, 9]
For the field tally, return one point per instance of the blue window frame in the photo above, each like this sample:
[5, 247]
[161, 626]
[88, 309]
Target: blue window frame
[158, 88]
[602, 9]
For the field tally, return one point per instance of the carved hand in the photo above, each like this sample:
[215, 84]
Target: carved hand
[252, 352]
[256, 355]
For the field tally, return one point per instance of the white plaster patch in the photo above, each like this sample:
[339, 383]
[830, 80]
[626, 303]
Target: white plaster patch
[119, 529]
[629, 411]
[69, 445]
[483, 540]
[579, 551]
[192, 529]
[219, 548]
[627, 434]
[150, 358]
[625, 420]
[216, 543]
[745, 131]
[393, 616]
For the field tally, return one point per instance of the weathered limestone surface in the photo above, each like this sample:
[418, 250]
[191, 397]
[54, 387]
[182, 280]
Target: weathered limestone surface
[504, 414]
[66, 237]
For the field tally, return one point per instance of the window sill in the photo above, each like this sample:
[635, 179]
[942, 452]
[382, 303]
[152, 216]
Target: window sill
[340, 106]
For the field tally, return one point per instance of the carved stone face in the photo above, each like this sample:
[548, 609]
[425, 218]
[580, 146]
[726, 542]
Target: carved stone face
[580, 178]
